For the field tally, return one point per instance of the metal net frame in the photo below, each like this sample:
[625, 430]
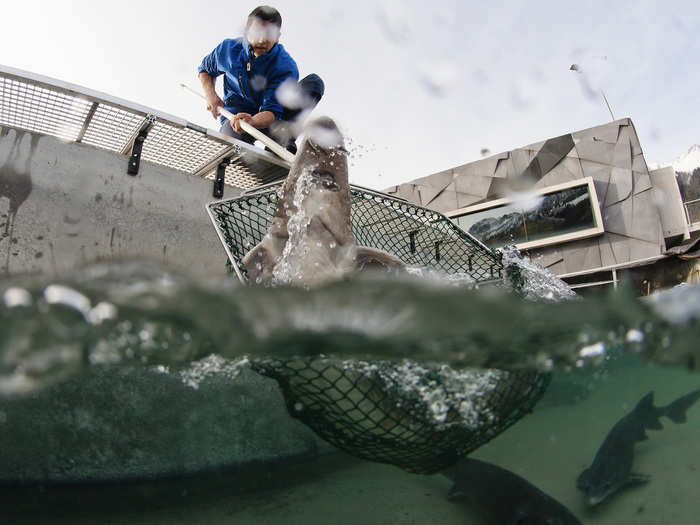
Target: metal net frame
[418, 236]
[362, 407]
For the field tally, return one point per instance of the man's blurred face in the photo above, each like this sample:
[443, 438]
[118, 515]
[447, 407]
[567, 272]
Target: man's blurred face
[261, 35]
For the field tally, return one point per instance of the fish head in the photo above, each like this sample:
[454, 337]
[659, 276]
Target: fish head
[318, 180]
[313, 212]
[596, 487]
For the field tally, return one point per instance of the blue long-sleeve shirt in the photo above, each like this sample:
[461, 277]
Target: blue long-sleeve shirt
[250, 82]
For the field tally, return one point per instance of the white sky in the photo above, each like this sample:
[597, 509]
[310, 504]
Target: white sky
[417, 86]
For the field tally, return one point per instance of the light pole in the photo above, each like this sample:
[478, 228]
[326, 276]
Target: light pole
[577, 68]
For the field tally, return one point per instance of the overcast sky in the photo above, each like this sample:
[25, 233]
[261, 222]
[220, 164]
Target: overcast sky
[417, 86]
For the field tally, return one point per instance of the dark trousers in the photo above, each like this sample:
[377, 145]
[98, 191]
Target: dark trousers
[312, 88]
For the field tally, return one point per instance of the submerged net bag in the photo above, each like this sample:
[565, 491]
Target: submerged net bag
[422, 418]
[417, 417]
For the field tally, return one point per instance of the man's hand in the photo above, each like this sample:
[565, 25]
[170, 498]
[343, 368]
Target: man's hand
[213, 104]
[236, 124]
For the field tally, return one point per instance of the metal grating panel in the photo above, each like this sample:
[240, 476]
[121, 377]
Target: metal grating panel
[180, 148]
[269, 174]
[73, 113]
[111, 127]
[42, 110]
[238, 173]
[246, 173]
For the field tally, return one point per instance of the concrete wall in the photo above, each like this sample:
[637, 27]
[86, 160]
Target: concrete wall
[611, 154]
[63, 204]
[672, 211]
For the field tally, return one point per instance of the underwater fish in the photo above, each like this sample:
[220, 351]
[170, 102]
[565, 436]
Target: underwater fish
[310, 240]
[611, 469]
[504, 498]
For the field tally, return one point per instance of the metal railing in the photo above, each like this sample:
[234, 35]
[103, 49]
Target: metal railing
[73, 113]
[692, 213]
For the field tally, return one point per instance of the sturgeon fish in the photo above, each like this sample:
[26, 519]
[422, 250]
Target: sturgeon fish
[504, 498]
[611, 469]
[310, 240]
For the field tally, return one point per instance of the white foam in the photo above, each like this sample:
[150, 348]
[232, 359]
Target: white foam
[15, 296]
[211, 366]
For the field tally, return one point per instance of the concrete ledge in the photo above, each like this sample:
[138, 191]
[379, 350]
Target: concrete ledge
[121, 424]
[65, 204]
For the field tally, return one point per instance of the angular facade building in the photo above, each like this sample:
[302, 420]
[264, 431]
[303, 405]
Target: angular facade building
[584, 205]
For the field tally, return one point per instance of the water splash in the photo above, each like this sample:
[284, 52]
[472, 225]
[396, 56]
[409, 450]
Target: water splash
[15, 296]
[290, 267]
[211, 366]
[532, 280]
[440, 278]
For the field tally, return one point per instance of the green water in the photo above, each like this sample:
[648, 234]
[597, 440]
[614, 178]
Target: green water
[116, 362]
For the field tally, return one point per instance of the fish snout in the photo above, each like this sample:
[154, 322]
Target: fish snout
[595, 491]
[594, 500]
[595, 495]
[324, 133]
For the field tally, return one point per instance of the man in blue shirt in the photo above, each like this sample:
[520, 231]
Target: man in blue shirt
[257, 69]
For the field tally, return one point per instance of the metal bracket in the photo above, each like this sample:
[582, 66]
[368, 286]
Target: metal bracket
[87, 121]
[412, 241]
[135, 158]
[234, 150]
[220, 177]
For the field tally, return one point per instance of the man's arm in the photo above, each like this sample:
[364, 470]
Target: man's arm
[213, 100]
[271, 108]
[259, 120]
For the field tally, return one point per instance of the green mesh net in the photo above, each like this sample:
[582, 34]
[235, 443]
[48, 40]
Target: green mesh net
[419, 417]
[418, 236]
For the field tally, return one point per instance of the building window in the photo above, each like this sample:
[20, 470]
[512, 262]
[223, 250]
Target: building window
[554, 215]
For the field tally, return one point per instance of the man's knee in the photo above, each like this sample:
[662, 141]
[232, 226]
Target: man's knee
[313, 87]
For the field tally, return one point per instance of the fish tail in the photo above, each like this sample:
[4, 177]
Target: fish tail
[676, 411]
[650, 414]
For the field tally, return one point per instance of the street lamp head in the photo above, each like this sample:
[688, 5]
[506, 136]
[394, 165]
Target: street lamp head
[577, 68]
